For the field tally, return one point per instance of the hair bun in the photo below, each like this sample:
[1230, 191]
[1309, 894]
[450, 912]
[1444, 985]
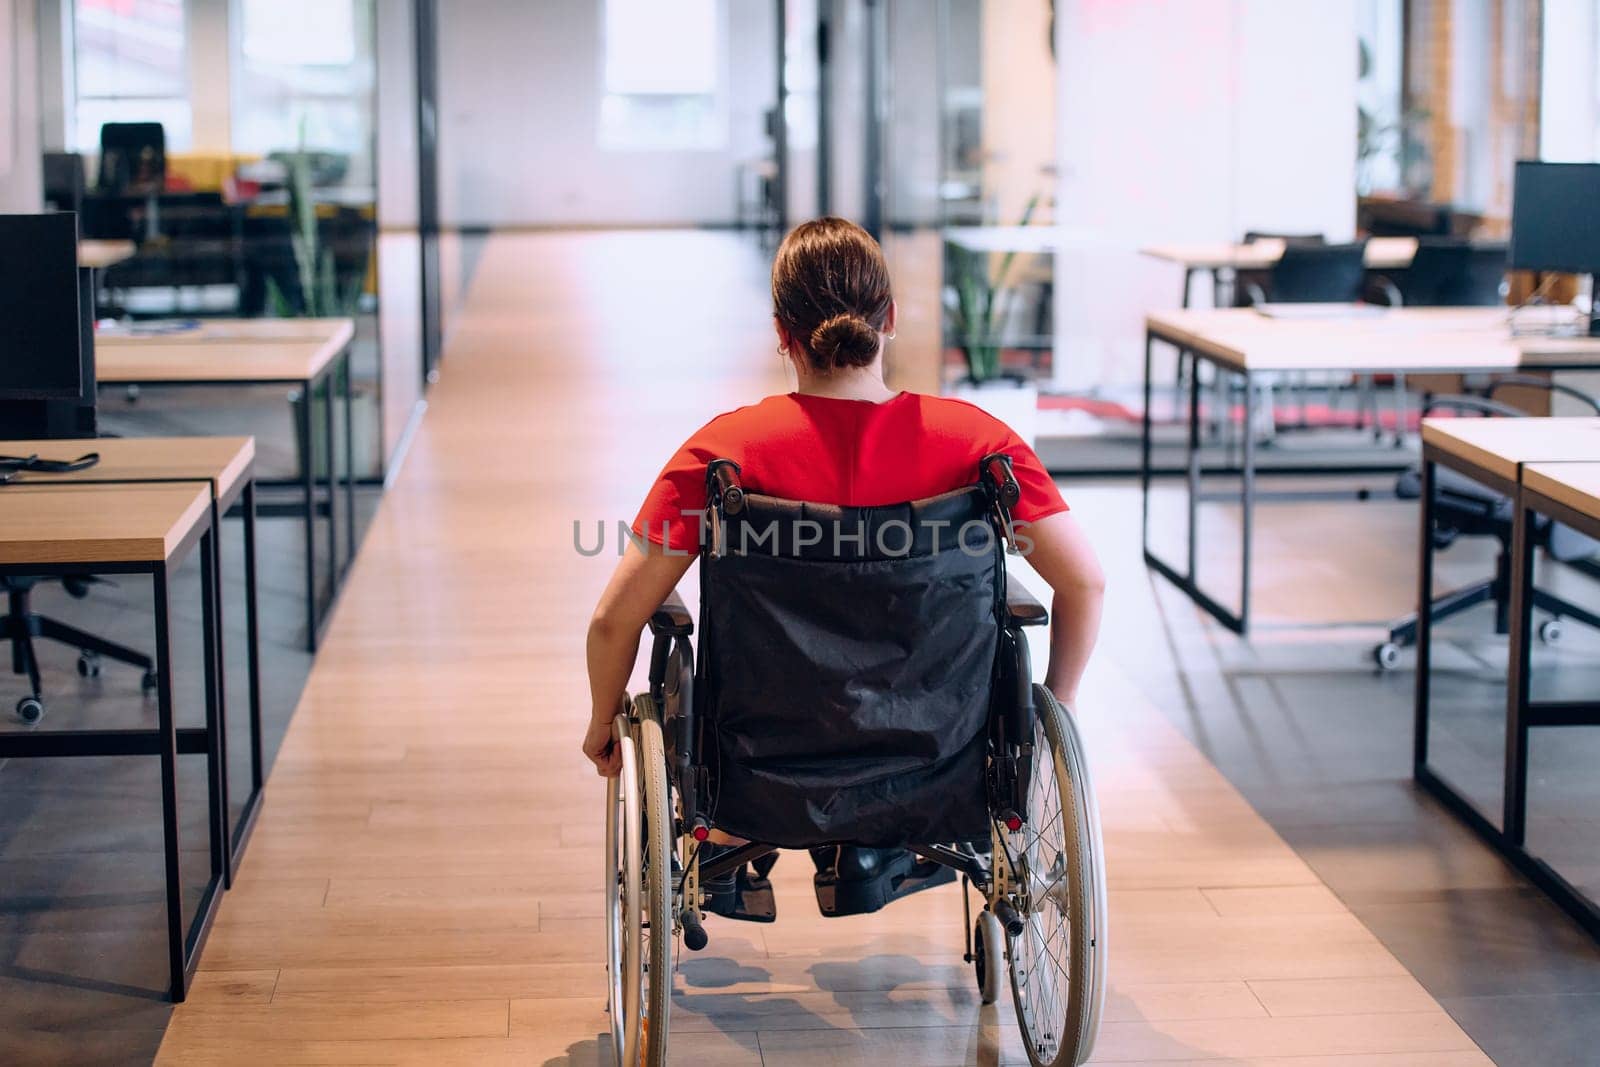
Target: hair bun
[846, 340]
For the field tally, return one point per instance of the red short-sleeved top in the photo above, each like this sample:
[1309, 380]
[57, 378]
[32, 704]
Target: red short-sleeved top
[851, 453]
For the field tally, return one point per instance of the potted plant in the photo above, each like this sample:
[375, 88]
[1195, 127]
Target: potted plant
[977, 299]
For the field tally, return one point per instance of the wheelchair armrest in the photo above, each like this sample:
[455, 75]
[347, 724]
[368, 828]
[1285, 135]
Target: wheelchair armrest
[1022, 609]
[672, 618]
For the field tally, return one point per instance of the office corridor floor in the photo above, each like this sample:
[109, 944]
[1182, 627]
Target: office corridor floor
[424, 886]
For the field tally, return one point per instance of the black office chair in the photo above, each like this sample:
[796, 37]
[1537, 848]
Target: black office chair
[1318, 273]
[21, 624]
[1452, 272]
[1261, 279]
[1463, 507]
[133, 159]
[1310, 271]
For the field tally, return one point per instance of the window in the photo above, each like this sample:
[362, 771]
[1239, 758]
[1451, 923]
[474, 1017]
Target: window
[306, 66]
[662, 75]
[130, 65]
[1381, 118]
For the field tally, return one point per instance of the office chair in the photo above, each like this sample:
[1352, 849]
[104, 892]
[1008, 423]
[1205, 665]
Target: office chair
[1310, 271]
[1453, 272]
[1314, 273]
[133, 159]
[21, 624]
[1463, 507]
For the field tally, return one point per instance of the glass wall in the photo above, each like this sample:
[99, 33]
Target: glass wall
[253, 190]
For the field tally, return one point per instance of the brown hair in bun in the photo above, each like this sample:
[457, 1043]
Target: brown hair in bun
[830, 290]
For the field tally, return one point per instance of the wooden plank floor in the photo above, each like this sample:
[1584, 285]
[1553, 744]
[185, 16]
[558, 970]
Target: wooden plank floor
[424, 885]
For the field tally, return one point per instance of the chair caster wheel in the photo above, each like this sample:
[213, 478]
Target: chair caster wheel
[988, 955]
[1550, 632]
[1386, 656]
[30, 710]
[149, 682]
[89, 664]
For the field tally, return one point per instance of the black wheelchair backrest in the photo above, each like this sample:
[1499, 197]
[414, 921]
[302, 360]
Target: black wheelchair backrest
[846, 666]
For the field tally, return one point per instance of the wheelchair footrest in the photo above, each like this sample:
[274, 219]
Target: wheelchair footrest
[750, 899]
[838, 897]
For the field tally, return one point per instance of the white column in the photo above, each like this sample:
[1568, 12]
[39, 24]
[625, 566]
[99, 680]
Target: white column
[1569, 104]
[20, 171]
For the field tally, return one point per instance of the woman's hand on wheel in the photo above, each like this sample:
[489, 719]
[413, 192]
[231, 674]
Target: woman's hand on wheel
[600, 745]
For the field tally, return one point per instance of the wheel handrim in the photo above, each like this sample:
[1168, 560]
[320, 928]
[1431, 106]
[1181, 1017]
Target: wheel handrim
[624, 897]
[1043, 984]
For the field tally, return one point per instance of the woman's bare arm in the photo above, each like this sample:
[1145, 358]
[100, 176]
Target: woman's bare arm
[641, 582]
[1064, 559]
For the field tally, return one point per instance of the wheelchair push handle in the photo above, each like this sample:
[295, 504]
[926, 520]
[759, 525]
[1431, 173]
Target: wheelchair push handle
[725, 490]
[996, 473]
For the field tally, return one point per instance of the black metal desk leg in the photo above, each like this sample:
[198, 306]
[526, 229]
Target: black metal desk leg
[252, 631]
[1247, 502]
[216, 745]
[1424, 680]
[331, 455]
[1192, 467]
[1144, 449]
[309, 495]
[161, 580]
[240, 832]
[348, 379]
[1518, 683]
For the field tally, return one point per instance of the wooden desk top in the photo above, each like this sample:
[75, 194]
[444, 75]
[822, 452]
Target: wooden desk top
[90, 524]
[1502, 446]
[220, 460]
[1577, 485]
[215, 331]
[1397, 339]
[98, 255]
[261, 358]
[1383, 253]
[1032, 240]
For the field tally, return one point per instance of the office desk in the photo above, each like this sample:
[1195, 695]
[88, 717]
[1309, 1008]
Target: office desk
[1547, 467]
[1246, 344]
[1026, 240]
[98, 255]
[134, 529]
[1383, 253]
[255, 352]
[226, 465]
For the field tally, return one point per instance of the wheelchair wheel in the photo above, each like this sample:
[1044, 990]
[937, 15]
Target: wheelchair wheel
[656, 996]
[639, 892]
[1058, 961]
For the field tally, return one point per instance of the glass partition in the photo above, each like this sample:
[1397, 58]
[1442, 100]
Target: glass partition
[234, 142]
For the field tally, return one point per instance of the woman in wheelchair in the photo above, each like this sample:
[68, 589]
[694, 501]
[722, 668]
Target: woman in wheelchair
[858, 667]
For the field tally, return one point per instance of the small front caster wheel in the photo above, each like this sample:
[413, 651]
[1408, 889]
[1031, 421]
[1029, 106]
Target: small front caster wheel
[988, 955]
[1550, 631]
[149, 682]
[1386, 656]
[89, 664]
[30, 710]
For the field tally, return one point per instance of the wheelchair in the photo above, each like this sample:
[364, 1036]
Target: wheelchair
[862, 679]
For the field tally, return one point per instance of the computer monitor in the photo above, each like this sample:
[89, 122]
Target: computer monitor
[41, 335]
[1555, 225]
